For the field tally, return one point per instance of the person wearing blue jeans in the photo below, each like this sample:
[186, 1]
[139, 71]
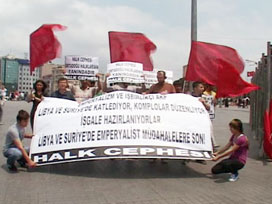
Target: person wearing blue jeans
[13, 149]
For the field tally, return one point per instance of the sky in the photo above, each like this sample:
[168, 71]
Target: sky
[241, 24]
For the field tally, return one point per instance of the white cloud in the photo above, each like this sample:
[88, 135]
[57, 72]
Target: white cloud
[226, 22]
[88, 27]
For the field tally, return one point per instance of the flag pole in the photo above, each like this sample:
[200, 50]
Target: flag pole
[268, 74]
[193, 29]
[194, 20]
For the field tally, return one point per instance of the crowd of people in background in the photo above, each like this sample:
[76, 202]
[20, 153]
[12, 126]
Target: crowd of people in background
[88, 89]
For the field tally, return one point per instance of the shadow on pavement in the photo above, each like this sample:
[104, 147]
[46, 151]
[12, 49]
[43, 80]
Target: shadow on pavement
[20, 169]
[219, 178]
[123, 169]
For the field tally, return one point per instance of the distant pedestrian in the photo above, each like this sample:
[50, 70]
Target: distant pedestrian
[1, 111]
[2, 101]
[36, 96]
[14, 149]
[226, 102]
[237, 148]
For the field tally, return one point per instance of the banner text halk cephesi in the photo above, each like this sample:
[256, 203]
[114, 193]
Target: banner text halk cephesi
[119, 152]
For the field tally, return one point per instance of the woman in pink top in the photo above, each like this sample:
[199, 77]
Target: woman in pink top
[237, 148]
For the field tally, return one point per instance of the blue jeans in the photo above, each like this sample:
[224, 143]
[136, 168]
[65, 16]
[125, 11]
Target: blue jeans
[14, 154]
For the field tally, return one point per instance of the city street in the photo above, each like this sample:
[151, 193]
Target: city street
[137, 181]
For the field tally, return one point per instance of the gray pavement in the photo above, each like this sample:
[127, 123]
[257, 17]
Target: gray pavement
[137, 182]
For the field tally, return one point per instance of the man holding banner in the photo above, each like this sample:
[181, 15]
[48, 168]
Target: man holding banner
[62, 90]
[122, 125]
[162, 86]
[86, 90]
[14, 149]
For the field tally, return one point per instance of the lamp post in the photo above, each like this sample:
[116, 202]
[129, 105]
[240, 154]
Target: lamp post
[193, 35]
[194, 20]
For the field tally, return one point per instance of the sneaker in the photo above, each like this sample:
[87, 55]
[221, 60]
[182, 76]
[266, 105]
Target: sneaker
[234, 177]
[12, 168]
[23, 164]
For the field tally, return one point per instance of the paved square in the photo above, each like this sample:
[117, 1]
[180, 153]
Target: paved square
[137, 181]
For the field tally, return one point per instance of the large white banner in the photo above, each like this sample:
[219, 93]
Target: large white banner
[81, 67]
[128, 72]
[121, 125]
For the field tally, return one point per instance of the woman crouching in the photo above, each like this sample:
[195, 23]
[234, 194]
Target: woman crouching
[237, 148]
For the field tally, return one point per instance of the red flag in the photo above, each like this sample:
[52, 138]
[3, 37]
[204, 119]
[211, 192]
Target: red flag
[250, 74]
[219, 66]
[267, 142]
[230, 84]
[134, 47]
[44, 46]
[270, 114]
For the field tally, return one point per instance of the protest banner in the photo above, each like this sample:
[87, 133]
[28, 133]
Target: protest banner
[81, 67]
[209, 99]
[121, 125]
[125, 72]
[151, 77]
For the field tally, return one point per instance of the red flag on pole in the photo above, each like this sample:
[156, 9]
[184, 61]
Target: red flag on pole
[44, 46]
[267, 141]
[219, 66]
[134, 47]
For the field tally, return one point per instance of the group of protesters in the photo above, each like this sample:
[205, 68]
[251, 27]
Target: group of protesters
[236, 147]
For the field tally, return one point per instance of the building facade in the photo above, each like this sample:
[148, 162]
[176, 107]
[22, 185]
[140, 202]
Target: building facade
[9, 73]
[50, 73]
[25, 80]
[15, 74]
